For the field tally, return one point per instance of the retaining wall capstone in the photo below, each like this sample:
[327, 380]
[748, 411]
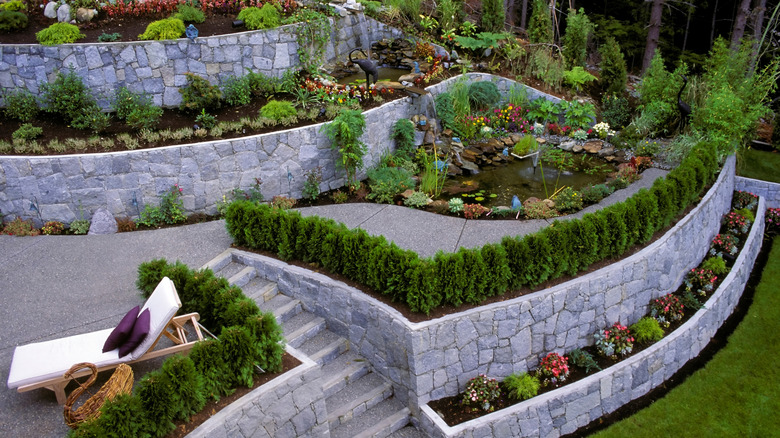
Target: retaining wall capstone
[768, 190]
[434, 359]
[292, 405]
[566, 409]
[158, 67]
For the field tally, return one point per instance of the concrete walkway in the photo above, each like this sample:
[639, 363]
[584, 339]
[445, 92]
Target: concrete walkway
[56, 286]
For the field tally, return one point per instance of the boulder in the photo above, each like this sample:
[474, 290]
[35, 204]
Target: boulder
[51, 10]
[84, 15]
[593, 146]
[507, 141]
[471, 167]
[576, 149]
[605, 152]
[103, 222]
[567, 145]
[63, 14]
[429, 137]
[409, 77]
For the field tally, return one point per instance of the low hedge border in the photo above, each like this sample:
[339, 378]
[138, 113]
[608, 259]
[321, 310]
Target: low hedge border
[213, 368]
[572, 406]
[472, 275]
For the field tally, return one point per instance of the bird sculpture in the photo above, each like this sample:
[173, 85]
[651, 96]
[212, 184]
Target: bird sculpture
[368, 67]
[685, 109]
[191, 32]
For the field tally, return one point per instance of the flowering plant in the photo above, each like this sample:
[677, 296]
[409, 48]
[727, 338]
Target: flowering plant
[772, 219]
[556, 129]
[53, 227]
[473, 211]
[736, 223]
[553, 369]
[614, 340]
[602, 130]
[579, 134]
[724, 243]
[666, 309]
[700, 281]
[744, 200]
[481, 391]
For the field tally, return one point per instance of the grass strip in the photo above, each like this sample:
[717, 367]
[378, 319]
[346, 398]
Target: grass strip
[752, 163]
[737, 394]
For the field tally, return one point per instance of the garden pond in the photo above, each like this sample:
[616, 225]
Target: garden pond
[495, 186]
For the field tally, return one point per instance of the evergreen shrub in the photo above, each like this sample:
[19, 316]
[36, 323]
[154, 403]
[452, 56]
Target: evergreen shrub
[166, 29]
[13, 21]
[59, 33]
[255, 18]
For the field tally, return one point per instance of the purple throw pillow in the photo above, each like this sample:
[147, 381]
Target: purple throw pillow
[140, 330]
[122, 331]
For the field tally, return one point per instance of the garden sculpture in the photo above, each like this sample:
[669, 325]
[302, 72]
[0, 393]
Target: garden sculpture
[191, 32]
[685, 109]
[366, 65]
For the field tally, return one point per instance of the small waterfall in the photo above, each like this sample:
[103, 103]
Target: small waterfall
[426, 106]
[363, 33]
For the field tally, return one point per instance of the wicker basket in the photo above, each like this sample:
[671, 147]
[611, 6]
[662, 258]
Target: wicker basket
[121, 382]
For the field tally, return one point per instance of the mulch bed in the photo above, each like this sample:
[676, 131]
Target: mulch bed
[183, 428]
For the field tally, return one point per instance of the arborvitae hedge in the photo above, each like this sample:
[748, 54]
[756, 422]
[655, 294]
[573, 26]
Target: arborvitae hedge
[472, 275]
[212, 369]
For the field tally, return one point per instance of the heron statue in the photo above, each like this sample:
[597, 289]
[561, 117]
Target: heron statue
[368, 67]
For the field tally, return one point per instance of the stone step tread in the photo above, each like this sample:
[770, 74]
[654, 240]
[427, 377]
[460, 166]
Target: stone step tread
[357, 397]
[219, 261]
[321, 340]
[282, 306]
[330, 351]
[379, 421]
[260, 290]
[408, 432]
[341, 371]
[301, 328]
[242, 277]
[230, 270]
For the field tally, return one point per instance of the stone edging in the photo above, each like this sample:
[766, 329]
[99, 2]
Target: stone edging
[434, 359]
[289, 405]
[566, 409]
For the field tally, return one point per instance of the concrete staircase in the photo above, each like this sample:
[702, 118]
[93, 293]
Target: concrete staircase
[359, 402]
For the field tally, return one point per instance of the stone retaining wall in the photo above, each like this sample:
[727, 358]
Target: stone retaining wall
[69, 187]
[289, 406]
[434, 359]
[573, 406]
[769, 190]
[159, 67]
[65, 187]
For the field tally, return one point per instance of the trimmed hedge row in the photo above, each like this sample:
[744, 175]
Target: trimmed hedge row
[212, 369]
[472, 275]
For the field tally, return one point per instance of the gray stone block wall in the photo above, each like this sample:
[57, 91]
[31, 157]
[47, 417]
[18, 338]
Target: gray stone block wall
[158, 67]
[290, 406]
[769, 190]
[566, 409]
[66, 187]
[434, 359]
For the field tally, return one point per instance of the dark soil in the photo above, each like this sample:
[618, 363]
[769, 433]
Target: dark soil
[183, 428]
[128, 27]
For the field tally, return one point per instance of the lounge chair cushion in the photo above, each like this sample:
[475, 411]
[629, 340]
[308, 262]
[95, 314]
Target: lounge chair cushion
[122, 331]
[139, 333]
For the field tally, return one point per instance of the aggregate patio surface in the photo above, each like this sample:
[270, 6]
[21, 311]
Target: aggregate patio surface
[57, 286]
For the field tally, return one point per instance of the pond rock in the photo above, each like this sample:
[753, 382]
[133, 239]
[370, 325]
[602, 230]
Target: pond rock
[470, 167]
[593, 146]
[607, 151]
[576, 149]
[567, 145]
[84, 15]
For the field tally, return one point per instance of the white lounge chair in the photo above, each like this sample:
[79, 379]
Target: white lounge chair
[42, 364]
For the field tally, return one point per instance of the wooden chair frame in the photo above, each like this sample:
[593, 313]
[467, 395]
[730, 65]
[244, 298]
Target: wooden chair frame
[175, 331]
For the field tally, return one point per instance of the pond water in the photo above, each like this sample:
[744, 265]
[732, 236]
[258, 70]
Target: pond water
[497, 185]
[385, 73]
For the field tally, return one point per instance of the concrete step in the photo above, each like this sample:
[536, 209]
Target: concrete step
[341, 371]
[357, 397]
[282, 306]
[407, 432]
[260, 290]
[379, 421]
[302, 327]
[324, 346]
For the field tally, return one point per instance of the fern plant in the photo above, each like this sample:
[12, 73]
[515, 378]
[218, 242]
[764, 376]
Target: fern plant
[403, 134]
[345, 132]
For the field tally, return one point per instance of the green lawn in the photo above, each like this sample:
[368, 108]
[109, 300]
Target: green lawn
[758, 164]
[737, 394]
